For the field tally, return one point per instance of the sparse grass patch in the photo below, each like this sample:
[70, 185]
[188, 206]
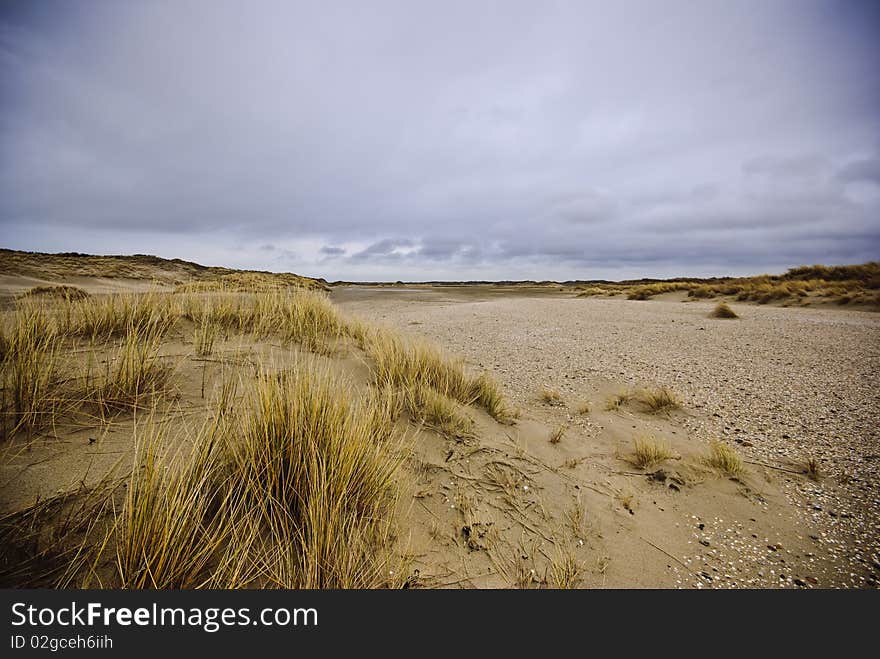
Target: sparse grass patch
[723, 310]
[61, 292]
[134, 374]
[812, 468]
[438, 412]
[558, 433]
[658, 401]
[565, 571]
[725, 459]
[550, 396]
[408, 364]
[487, 394]
[204, 336]
[648, 451]
[618, 400]
[30, 371]
[591, 291]
[583, 407]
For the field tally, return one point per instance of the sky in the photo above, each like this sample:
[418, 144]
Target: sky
[445, 140]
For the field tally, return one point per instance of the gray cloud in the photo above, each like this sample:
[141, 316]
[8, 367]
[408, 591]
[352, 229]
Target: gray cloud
[467, 140]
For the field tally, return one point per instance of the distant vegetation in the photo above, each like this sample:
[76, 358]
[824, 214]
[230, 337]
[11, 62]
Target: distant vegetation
[58, 267]
[843, 284]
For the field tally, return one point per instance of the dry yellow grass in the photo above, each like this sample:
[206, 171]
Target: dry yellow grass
[409, 364]
[649, 451]
[61, 292]
[618, 400]
[292, 478]
[133, 375]
[723, 310]
[438, 412]
[812, 468]
[550, 396]
[725, 459]
[658, 401]
[31, 391]
[558, 433]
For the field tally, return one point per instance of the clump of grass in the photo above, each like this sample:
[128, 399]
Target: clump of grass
[309, 468]
[134, 374]
[565, 571]
[292, 488]
[301, 316]
[618, 400]
[100, 318]
[725, 459]
[164, 535]
[31, 393]
[558, 433]
[438, 412]
[812, 468]
[204, 336]
[408, 364]
[723, 310]
[583, 407]
[576, 519]
[591, 291]
[648, 451]
[658, 401]
[487, 394]
[384, 405]
[550, 396]
[62, 292]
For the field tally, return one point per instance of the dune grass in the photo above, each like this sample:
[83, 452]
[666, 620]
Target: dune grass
[618, 400]
[550, 396]
[438, 412]
[723, 310]
[292, 479]
[133, 375]
[409, 364]
[649, 451]
[658, 401]
[558, 433]
[61, 292]
[812, 468]
[204, 337]
[101, 318]
[293, 490]
[725, 459]
[31, 356]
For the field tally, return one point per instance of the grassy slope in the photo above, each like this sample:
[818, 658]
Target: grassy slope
[58, 267]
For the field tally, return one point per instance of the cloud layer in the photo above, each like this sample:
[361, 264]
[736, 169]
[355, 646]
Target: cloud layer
[454, 140]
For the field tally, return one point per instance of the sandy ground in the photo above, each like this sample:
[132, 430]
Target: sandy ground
[781, 384]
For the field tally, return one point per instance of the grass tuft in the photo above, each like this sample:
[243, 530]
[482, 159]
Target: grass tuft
[812, 468]
[648, 451]
[550, 396]
[658, 401]
[618, 400]
[558, 433]
[61, 292]
[725, 459]
[723, 310]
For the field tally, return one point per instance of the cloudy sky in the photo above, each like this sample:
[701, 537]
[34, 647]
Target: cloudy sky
[443, 139]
